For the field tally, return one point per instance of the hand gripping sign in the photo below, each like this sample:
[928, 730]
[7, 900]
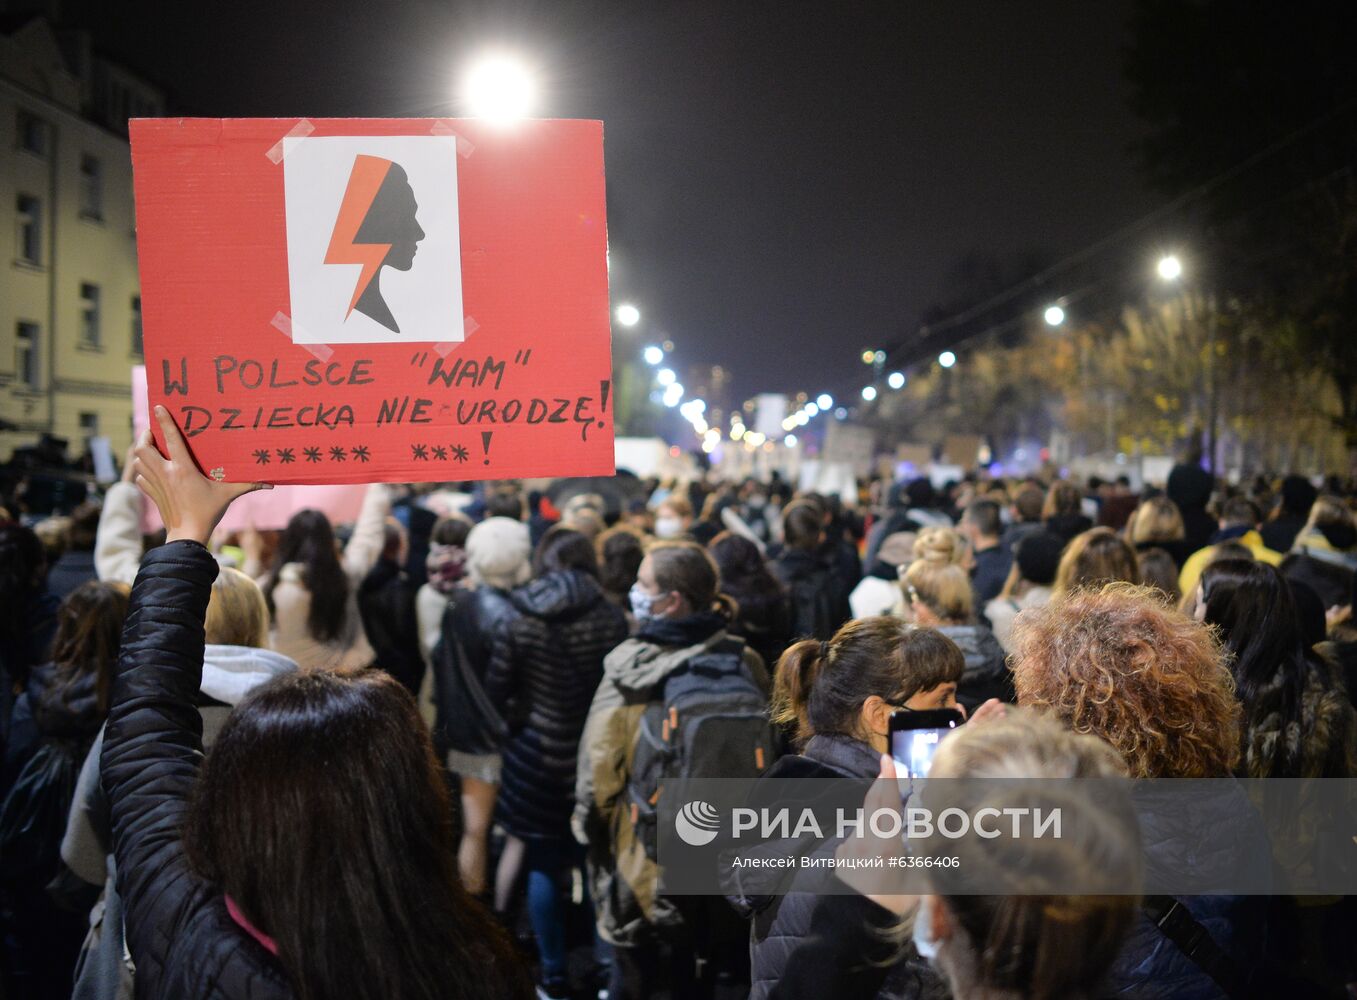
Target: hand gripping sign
[361, 300]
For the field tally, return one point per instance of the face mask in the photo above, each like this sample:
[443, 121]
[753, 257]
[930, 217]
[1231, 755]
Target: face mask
[757, 503]
[642, 603]
[924, 941]
[668, 527]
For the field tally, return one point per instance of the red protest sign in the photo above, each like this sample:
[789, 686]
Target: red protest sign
[359, 300]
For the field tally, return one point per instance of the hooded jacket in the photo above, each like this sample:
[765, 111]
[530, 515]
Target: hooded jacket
[819, 597]
[986, 675]
[623, 879]
[549, 659]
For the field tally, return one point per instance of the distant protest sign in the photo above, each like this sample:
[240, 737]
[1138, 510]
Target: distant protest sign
[355, 300]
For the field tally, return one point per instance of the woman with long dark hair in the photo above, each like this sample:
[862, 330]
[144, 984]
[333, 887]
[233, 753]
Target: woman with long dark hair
[312, 587]
[310, 855]
[763, 615]
[1298, 722]
[545, 667]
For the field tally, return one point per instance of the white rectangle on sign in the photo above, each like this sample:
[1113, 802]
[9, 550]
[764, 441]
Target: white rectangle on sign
[373, 242]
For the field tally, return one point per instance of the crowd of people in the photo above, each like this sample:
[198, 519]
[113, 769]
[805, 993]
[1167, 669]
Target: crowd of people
[420, 755]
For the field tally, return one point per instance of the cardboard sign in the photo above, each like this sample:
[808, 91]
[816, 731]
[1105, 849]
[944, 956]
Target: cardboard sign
[850, 444]
[355, 300]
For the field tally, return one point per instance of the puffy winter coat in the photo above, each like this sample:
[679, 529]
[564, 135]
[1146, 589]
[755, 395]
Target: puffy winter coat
[181, 938]
[986, 675]
[781, 923]
[549, 659]
[460, 660]
[1209, 839]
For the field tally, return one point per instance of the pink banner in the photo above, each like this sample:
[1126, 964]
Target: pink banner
[266, 509]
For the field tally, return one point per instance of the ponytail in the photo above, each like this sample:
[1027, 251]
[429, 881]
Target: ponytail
[793, 681]
[820, 687]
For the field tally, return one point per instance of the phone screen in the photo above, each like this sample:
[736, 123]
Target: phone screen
[916, 736]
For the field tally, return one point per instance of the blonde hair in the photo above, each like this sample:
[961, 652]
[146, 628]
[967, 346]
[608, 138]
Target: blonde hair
[236, 612]
[1094, 559]
[1156, 520]
[1028, 935]
[936, 575]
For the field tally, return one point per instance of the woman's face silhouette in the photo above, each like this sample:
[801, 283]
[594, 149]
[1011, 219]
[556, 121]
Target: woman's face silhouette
[391, 219]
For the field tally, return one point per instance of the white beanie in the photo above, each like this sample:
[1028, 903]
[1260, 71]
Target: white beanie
[498, 551]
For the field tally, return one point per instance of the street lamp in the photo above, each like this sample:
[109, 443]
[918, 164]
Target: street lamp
[628, 314]
[869, 393]
[653, 355]
[666, 376]
[499, 87]
[896, 380]
[1170, 268]
[824, 401]
[947, 359]
[1054, 315]
[869, 357]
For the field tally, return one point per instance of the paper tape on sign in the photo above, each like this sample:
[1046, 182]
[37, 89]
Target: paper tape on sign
[369, 245]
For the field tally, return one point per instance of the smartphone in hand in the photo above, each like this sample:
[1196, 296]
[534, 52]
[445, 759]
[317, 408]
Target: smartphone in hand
[916, 735]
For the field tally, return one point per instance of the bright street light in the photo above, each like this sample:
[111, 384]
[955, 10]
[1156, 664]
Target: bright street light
[947, 359]
[1170, 268]
[628, 314]
[653, 355]
[869, 357]
[499, 87]
[896, 380]
[666, 376]
[790, 440]
[824, 401]
[1054, 315]
[812, 409]
[879, 357]
[869, 393]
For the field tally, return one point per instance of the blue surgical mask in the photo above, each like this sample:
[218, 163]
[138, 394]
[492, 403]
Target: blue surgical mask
[642, 603]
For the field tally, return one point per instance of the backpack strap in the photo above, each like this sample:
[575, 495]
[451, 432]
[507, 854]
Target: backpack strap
[1178, 925]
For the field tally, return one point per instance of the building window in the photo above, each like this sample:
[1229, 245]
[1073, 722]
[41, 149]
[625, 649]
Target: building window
[89, 317]
[29, 231]
[89, 425]
[26, 339]
[137, 348]
[91, 188]
[34, 134]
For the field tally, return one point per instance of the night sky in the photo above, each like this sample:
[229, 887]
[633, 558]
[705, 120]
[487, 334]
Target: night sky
[787, 182]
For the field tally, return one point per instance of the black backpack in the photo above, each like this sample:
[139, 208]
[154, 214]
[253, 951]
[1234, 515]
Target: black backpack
[708, 719]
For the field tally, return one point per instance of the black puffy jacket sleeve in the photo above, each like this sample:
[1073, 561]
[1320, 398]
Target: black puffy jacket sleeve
[178, 931]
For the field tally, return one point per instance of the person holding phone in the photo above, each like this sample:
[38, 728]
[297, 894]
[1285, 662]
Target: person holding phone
[838, 697]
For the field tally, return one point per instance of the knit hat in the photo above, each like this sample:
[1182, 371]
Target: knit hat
[498, 551]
